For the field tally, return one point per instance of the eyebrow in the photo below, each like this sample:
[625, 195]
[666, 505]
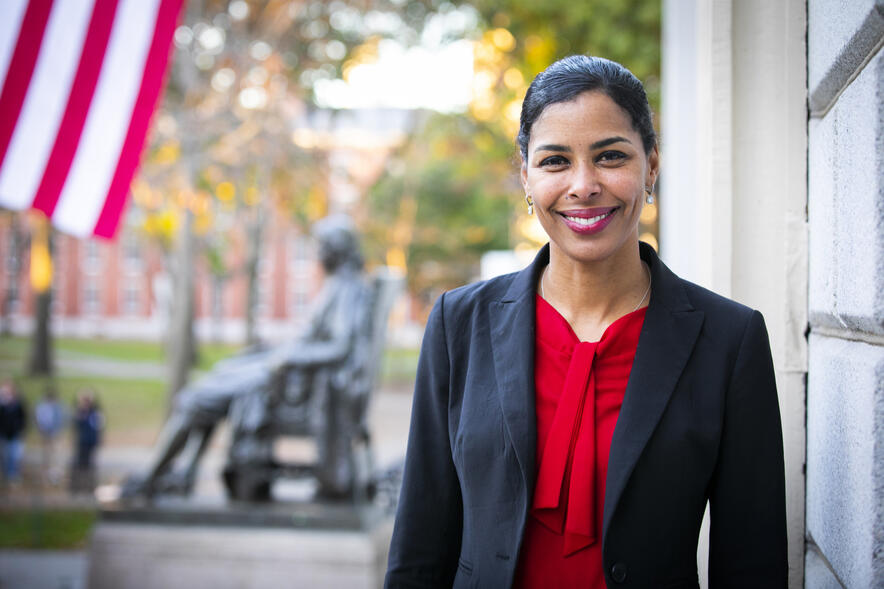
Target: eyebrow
[608, 141]
[596, 145]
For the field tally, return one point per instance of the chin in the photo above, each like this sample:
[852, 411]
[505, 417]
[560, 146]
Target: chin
[596, 251]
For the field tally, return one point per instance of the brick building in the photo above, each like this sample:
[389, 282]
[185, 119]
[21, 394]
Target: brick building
[120, 289]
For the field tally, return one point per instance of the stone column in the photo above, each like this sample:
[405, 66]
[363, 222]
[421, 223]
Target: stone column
[733, 198]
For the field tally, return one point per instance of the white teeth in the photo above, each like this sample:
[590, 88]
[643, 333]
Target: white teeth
[589, 221]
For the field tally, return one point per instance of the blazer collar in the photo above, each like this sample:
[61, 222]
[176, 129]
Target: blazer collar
[667, 338]
[512, 344]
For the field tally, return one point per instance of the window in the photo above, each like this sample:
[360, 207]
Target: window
[91, 257]
[131, 297]
[91, 297]
[131, 253]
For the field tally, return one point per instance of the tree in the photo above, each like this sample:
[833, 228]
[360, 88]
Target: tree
[13, 264]
[40, 355]
[242, 73]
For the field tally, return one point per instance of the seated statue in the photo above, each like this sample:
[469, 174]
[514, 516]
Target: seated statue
[325, 357]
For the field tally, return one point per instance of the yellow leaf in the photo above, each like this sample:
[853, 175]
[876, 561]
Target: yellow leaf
[396, 258]
[503, 39]
[251, 196]
[225, 191]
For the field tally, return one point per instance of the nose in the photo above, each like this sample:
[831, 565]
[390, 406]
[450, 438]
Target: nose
[584, 182]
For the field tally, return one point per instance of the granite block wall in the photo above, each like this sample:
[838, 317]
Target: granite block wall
[845, 418]
[845, 397]
[841, 36]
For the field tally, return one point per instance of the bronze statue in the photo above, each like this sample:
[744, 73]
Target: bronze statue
[322, 379]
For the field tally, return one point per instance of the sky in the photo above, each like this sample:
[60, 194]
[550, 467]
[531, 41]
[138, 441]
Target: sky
[435, 73]
[438, 78]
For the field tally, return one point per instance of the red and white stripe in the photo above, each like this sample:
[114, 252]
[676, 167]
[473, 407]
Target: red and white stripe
[80, 80]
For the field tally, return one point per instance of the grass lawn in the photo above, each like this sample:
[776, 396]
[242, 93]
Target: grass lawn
[399, 367]
[15, 347]
[60, 529]
[135, 351]
[135, 408]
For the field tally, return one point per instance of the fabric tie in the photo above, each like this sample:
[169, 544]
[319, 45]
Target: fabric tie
[565, 502]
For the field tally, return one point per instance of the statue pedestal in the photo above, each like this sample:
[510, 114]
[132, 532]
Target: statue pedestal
[183, 544]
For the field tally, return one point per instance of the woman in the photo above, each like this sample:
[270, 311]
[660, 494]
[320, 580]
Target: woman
[571, 420]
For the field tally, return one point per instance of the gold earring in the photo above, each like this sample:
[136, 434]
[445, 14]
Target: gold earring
[649, 196]
[530, 202]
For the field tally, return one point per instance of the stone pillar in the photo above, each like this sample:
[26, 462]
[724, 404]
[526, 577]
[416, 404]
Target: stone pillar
[733, 186]
[845, 406]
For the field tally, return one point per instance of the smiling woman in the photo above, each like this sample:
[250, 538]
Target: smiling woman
[586, 170]
[572, 420]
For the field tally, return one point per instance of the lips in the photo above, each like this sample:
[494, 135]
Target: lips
[587, 221]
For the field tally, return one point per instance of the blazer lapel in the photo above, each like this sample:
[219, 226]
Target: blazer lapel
[512, 344]
[670, 330]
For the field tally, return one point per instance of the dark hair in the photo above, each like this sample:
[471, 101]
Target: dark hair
[567, 78]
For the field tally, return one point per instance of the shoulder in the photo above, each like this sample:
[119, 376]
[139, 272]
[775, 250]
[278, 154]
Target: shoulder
[725, 320]
[483, 291]
[714, 304]
[468, 300]
[460, 314]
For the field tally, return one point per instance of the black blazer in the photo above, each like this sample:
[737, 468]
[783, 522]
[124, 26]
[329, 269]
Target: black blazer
[700, 420]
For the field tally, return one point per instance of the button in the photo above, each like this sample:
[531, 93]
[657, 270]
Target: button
[618, 572]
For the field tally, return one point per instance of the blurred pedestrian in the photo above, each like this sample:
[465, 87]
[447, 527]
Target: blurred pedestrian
[88, 426]
[13, 421]
[49, 414]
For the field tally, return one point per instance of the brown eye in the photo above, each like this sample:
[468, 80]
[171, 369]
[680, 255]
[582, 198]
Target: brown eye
[611, 156]
[553, 160]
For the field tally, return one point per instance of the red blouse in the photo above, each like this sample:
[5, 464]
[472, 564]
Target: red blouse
[562, 539]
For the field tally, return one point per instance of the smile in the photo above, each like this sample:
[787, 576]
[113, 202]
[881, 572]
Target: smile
[588, 220]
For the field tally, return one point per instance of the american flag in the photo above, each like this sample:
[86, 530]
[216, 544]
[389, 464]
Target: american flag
[79, 80]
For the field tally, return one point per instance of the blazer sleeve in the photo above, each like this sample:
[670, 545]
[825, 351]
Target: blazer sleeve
[747, 546]
[427, 534]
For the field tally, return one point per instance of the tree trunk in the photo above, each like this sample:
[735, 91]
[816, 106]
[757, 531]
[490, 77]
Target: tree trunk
[13, 274]
[40, 356]
[252, 259]
[218, 283]
[181, 343]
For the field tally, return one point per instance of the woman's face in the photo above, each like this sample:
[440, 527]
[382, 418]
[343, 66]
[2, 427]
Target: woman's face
[587, 171]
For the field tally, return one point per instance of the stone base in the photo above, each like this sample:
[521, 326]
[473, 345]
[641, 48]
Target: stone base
[137, 553]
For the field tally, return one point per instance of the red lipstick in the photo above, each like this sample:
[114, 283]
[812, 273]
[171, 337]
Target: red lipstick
[588, 221]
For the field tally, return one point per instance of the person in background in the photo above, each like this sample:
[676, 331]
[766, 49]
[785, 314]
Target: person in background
[13, 422]
[88, 426]
[49, 415]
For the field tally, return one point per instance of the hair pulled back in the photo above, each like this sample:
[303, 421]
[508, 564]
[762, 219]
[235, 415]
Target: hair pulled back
[565, 79]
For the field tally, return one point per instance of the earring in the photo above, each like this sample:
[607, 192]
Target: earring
[649, 196]
[530, 202]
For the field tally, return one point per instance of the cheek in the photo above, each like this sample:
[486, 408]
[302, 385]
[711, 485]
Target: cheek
[545, 189]
[630, 191]
[625, 184]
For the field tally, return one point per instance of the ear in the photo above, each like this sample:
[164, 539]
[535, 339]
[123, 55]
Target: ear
[653, 166]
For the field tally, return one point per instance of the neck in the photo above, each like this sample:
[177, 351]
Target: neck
[592, 295]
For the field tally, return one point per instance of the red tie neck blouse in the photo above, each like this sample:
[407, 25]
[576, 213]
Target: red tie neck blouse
[579, 391]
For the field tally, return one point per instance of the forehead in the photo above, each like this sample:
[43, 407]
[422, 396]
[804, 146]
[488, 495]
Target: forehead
[589, 115]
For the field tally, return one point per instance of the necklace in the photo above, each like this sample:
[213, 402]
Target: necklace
[647, 290]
